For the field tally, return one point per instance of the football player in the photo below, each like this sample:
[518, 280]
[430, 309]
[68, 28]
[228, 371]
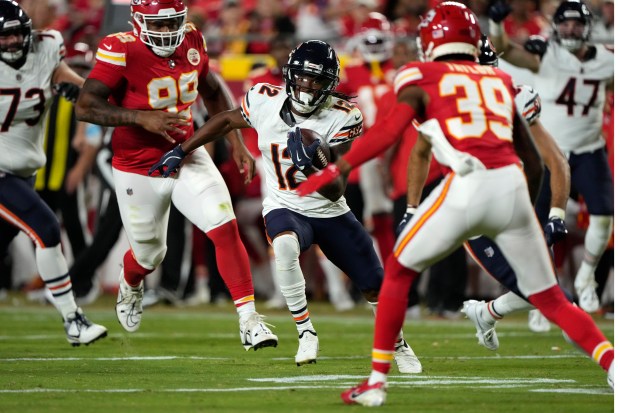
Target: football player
[571, 76]
[143, 83]
[293, 224]
[470, 124]
[485, 252]
[31, 62]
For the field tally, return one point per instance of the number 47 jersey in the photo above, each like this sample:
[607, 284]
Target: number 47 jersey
[26, 93]
[264, 108]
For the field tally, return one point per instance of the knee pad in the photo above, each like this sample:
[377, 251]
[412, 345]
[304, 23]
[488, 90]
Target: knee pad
[143, 227]
[286, 250]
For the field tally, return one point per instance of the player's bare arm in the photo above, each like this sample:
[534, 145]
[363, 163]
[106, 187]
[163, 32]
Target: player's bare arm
[218, 98]
[93, 107]
[555, 160]
[417, 171]
[64, 73]
[527, 151]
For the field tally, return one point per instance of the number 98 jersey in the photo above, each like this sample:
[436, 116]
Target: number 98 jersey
[25, 95]
[141, 80]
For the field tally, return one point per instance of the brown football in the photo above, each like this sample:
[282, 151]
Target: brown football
[323, 154]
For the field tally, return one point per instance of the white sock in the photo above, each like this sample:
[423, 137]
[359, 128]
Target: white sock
[377, 377]
[508, 303]
[245, 311]
[53, 270]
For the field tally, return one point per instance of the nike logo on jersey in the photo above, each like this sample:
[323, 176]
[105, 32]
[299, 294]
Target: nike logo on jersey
[107, 47]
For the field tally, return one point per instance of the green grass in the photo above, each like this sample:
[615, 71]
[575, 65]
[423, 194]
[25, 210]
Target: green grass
[191, 360]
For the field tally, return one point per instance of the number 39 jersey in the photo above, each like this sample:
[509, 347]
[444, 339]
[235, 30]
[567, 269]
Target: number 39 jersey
[474, 105]
[141, 80]
[337, 122]
[25, 95]
[573, 94]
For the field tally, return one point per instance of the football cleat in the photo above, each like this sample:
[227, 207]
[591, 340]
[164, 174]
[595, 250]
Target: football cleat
[365, 394]
[610, 376]
[537, 322]
[485, 331]
[81, 331]
[586, 292]
[406, 359]
[129, 304]
[308, 350]
[255, 333]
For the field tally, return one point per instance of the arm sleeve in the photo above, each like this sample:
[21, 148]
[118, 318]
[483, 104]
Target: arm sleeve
[381, 135]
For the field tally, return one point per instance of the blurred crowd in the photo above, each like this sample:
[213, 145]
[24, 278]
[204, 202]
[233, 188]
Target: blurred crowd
[235, 27]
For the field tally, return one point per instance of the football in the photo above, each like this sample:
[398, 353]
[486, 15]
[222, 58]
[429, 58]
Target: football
[323, 154]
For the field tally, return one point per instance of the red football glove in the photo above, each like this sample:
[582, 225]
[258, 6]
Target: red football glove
[318, 180]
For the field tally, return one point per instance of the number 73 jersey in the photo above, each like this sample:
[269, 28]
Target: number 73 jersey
[141, 80]
[474, 105]
[25, 95]
[336, 120]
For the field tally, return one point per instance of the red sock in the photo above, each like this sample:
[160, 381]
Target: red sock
[390, 312]
[232, 260]
[383, 232]
[578, 325]
[134, 272]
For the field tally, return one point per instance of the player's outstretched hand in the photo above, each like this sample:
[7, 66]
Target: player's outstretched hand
[300, 154]
[245, 162]
[169, 163]
[318, 180]
[67, 90]
[555, 230]
[162, 123]
[499, 10]
[409, 213]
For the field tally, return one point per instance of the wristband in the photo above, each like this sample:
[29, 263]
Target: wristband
[411, 209]
[495, 29]
[557, 212]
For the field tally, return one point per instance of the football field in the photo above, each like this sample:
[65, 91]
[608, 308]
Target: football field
[191, 360]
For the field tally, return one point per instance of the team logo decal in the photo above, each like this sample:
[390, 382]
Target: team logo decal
[193, 56]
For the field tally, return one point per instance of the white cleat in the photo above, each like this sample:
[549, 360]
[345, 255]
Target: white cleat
[255, 333]
[537, 322]
[406, 359]
[81, 331]
[129, 304]
[308, 350]
[485, 331]
[610, 376]
[586, 293]
[365, 394]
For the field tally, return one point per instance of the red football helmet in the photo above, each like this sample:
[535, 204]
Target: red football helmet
[151, 16]
[449, 28]
[376, 38]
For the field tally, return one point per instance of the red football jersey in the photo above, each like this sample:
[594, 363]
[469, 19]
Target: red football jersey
[474, 105]
[141, 80]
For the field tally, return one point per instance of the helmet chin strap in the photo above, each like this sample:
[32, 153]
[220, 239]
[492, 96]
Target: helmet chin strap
[161, 52]
[302, 104]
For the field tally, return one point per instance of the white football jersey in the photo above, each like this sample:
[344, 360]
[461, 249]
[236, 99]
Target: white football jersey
[25, 96]
[337, 122]
[573, 95]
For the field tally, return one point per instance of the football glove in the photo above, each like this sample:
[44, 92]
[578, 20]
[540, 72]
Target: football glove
[499, 10]
[67, 90]
[555, 230]
[536, 45]
[169, 163]
[300, 154]
[406, 218]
